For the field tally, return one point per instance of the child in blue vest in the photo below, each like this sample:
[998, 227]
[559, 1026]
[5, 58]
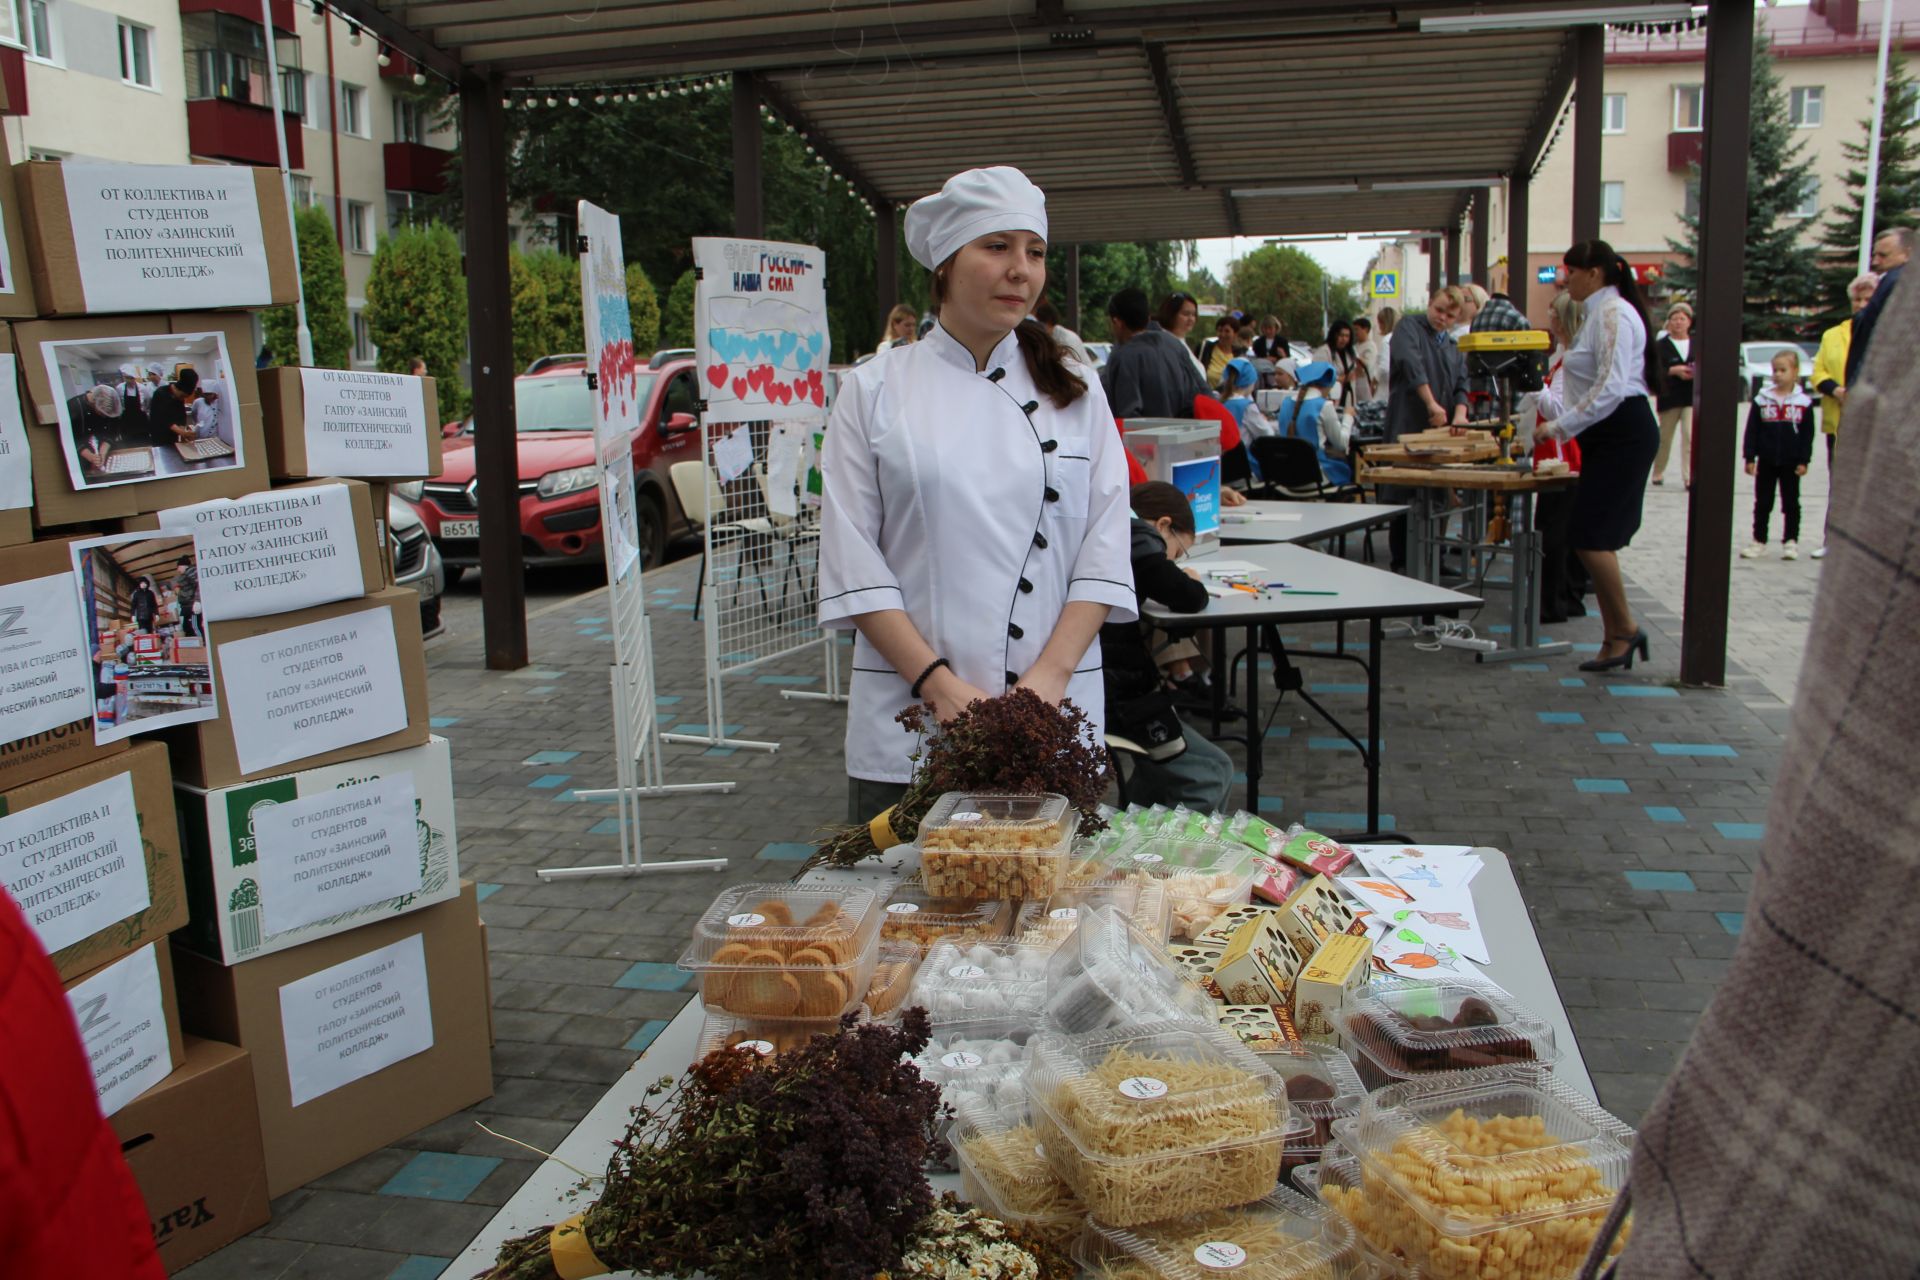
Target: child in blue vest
[1310, 414]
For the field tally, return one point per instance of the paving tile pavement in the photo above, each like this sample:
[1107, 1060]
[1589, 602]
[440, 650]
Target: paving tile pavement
[1636, 887]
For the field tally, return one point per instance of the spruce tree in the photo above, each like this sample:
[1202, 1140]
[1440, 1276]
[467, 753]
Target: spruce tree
[1782, 280]
[1896, 198]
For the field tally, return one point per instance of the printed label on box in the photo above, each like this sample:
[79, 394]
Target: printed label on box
[273, 552]
[75, 864]
[123, 1023]
[364, 424]
[16, 472]
[167, 237]
[325, 855]
[45, 678]
[315, 688]
[356, 1018]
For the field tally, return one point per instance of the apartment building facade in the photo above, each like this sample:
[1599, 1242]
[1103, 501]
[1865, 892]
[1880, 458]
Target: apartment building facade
[180, 81]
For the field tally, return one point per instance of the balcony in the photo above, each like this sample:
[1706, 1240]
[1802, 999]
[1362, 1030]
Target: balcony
[223, 129]
[399, 66]
[246, 11]
[414, 166]
[13, 81]
[1684, 150]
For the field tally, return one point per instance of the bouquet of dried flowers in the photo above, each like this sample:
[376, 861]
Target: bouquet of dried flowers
[958, 1242]
[801, 1166]
[1018, 744]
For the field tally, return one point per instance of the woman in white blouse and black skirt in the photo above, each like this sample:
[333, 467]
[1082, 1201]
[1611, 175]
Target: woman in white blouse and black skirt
[1604, 403]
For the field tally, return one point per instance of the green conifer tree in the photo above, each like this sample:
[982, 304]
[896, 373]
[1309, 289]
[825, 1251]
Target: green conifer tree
[323, 282]
[1896, 198]
[417, 306]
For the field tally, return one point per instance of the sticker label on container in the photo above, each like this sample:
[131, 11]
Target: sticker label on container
[1220, 1255]
[968, 816]
[1143, 1088]
[967, 972]
[746, 920]
[1148, 857]
[1064, 913]
[961, 1060]
[902, 908]
[762, 1047]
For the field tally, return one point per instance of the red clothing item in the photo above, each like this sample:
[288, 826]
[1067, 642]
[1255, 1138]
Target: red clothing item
[1207, 407]
[1552, 448]
[68, 1204]
[1136, 474]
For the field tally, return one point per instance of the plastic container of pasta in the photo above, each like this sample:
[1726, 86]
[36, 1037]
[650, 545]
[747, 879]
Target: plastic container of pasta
[1109, 972]
[1322, 1087]
[1455, 1166]
[1004, 1169]
[1203, 876]
[1332, 1180]
[963, 981]
[984, 847]
[1406, 1029]
[783, 951]
[914, 916]
[892, 979]
[1281, 1236]
[1157, 1121]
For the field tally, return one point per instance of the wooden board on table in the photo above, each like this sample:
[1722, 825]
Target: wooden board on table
[1497, 478]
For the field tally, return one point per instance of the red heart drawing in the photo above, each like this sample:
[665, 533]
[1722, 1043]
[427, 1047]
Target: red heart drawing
[760, 377]
[717, 375]
[816, 392]
[782, 393]
[740, 388]
[799, 386]
[813, 381]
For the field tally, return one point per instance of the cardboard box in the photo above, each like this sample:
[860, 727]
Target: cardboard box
[16, 264]
[380, 515]
[369, 527]
[289, 441]
[193, 1144]
[1260, 962]
[1263, 1028]
[16, 526]
[243, 1004]
[207, 754]
[1315, 912]
[486, 981]
[55, 851]
[143, 237]
[42, 752]
[55, 501]
[229, 918]
[1338, 971]
[129, 1023]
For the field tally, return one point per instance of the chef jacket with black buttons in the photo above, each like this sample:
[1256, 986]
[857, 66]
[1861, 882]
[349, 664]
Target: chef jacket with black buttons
[963, 497]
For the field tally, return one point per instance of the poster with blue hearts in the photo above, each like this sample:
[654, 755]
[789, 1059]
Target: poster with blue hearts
[760, 330]
[608, 324]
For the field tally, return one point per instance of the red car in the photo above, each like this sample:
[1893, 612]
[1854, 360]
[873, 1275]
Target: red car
[559, 488]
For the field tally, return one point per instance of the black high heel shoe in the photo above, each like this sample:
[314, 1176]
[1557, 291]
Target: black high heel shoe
[1636, 643]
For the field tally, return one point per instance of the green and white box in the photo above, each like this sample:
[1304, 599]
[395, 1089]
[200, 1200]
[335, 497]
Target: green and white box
[276, 863]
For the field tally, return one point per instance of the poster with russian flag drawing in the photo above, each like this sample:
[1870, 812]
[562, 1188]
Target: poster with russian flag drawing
[760, 330]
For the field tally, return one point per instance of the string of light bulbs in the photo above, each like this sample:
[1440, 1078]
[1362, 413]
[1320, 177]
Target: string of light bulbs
[355, 33]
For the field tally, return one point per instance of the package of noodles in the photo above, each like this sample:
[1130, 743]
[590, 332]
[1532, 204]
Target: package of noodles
[1157, 1120]
[1004, 1170]
[1282, 1236]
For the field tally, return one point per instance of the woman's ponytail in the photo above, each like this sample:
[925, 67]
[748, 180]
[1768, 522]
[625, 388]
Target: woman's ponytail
[1047, 364]
[1618, 272]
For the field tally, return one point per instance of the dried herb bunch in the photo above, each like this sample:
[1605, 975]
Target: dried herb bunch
[801, 1166]
[1018, 744]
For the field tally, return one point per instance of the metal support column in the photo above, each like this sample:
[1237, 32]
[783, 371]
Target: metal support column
[503, 592]
[1453, 254]
[886, 259]
[749, 218]
[1434, 282]
[1479, 260]
[1723, 211]
[1071, 318]
[1519, 267]
[1589, 88]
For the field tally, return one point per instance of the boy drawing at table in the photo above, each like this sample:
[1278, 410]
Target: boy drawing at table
[1179, 765]
[1778, 449]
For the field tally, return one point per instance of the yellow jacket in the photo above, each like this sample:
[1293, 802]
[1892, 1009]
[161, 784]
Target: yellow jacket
[1830, 365]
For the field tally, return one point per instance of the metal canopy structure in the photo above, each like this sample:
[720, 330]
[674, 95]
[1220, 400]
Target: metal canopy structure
[1142, 120]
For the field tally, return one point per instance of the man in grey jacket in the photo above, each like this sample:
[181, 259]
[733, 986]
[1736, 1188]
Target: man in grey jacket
[1150, 373]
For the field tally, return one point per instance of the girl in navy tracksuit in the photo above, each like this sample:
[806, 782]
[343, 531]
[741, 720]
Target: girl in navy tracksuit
[1778, 449]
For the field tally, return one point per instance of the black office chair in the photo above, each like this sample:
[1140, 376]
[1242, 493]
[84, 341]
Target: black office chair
[1290, 469]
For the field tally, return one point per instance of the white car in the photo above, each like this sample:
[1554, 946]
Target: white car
[416, 561]
[1756, 365]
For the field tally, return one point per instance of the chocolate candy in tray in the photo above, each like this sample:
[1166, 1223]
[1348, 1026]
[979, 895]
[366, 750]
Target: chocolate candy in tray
[1399, 1029]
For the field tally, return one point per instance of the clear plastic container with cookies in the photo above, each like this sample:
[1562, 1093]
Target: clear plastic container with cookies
[1110, 972]
[892, 979]
[1203, 876]
[1508, 1169]
[963, 980]
[785, 951]
[764, 1036]
[986, 847]
[1004, 1169]
[1402, 1029]
[1158, 1120]
[913, 915]
[1281, 1236]
[1322, 1087]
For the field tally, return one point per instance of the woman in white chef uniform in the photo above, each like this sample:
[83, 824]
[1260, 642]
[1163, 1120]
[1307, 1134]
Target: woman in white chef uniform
[974, 525]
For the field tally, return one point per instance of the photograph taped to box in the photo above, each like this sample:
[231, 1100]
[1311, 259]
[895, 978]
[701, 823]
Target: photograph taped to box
[16, 466]
[144, 407]
[139, 599]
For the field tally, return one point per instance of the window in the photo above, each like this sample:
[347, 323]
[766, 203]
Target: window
[400, 207]
[1613, 113]
[359, 226]
[1806, 108]
[1809, 206]
[302, 190]
[1689, 108]
[364, 352]
[680, 398]
[409, 121]
[136, 55]
[1692, 199]
[34, 20]
[1613, 199]
[227, 58]
[353, 110]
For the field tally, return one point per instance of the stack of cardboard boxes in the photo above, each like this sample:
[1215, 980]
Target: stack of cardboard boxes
[221, 806]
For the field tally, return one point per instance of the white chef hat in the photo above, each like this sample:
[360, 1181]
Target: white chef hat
[971, 205]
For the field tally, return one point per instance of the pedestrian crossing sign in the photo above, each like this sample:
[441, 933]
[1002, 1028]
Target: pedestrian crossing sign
[1386, 284]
